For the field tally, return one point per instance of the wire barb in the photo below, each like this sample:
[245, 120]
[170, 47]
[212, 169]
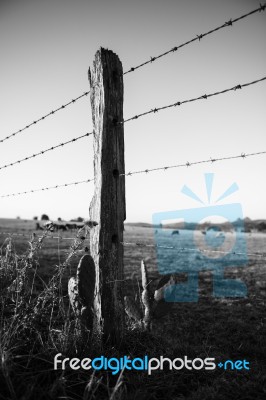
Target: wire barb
[229, 23]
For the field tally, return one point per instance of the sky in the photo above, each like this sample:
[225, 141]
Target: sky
[46, 50]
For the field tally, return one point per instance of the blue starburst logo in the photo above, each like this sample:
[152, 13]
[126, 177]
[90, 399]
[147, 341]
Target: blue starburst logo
[209, 237]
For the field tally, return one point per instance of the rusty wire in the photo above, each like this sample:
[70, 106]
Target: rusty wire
[189, 164]
[202, 97]
[45, 116]
[229, 23]
[47, 188]
[47, 150]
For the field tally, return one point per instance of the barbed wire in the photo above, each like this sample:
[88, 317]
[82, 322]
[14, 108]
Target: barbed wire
[189, 164]
[179, 103]
[47, 150]
[184, 249]
[140, 244]
[47, 188]
[151, 60]
[165, 168]
[45, 116]
[197, 38]
[239, 86]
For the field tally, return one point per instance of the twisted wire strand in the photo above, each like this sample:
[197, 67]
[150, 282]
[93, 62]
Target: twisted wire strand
[47, 150]
[189, 164]
[47, 188]
[202, 97]
[230, 22]
[45, 116]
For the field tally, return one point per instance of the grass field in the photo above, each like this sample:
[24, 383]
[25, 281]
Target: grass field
[231, 328]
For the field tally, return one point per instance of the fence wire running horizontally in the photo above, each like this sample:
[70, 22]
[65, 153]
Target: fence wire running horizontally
[45, 116]
[145, 171]
[47, 150]
[189, 164]
[152, 111]
[29, 235]
[151, 60]
[47, 188]
[179, 249]
[229, 23]
[182, 249]
[202, 97]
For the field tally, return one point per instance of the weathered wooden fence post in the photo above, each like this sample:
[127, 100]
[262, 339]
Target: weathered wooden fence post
[108, 204]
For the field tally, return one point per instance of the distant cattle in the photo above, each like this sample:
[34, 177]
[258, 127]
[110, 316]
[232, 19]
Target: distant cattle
[176, 232]
[74, 225]
[59, 227]
[71, 226]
